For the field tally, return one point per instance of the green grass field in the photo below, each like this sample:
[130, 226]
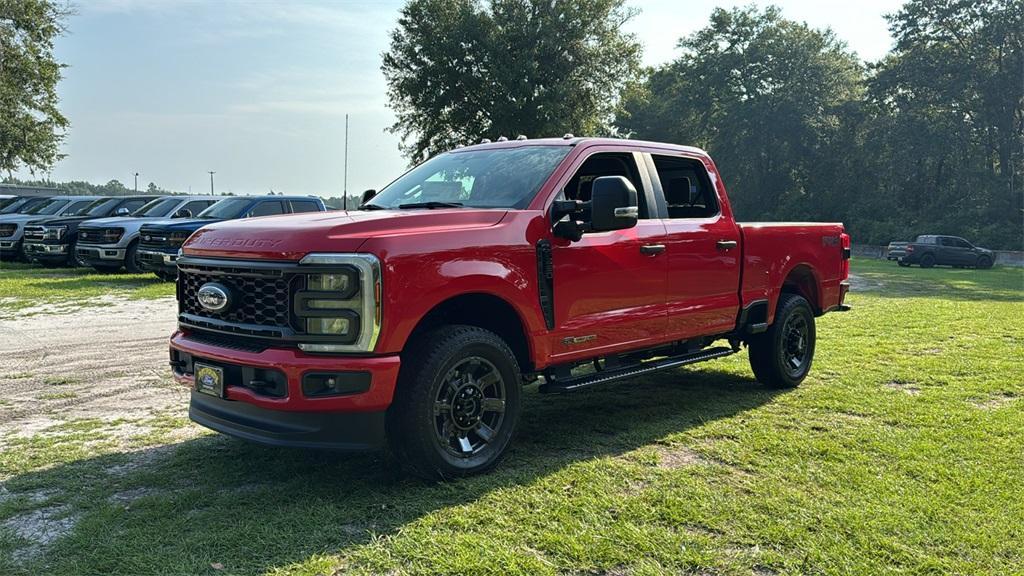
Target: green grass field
[902, 453]
[29, 286]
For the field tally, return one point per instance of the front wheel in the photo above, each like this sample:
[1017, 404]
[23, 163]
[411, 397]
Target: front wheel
[984, 262]
[781, 357]
[131, 258]
[457, 403]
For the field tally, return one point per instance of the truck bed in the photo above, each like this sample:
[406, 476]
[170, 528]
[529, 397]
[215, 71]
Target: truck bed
[809, 254]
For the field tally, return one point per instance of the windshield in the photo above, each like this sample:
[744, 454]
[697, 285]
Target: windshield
[94, 208]
[226, 209]
[157, 208]
[48, 207]
[495, 178]
[5, 202]
[15, 206]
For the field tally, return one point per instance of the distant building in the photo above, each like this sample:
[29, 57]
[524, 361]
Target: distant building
[21, 190]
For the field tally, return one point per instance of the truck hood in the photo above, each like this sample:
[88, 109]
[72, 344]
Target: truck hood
[71, 221]
[117, 221]
[22, 218]
[177, 224]
[290, 237]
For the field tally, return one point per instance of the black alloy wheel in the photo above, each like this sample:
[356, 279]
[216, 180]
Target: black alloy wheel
[469, 407]
[457, 403]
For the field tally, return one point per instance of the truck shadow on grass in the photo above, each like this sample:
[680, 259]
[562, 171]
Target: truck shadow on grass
[184, 506]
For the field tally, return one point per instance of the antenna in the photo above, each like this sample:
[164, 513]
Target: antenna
[344, 185]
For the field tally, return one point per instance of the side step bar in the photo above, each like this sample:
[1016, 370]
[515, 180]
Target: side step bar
[638, 369]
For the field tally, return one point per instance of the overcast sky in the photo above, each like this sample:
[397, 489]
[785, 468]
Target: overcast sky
[258, 90]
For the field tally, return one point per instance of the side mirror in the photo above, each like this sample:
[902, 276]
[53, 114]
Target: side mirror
[613, 204]
[122, 211]
[367, 196]
[183, 213]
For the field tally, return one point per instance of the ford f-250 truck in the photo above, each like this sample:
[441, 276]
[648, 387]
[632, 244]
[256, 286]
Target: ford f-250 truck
[416, 320]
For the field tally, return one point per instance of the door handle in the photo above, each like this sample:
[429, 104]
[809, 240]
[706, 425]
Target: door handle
[652, 249]
[726, 244]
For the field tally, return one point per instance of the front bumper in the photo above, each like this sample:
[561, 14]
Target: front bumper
[155, 261]
[8, 247]
[99, 253]
[347, 422]
[44, 251]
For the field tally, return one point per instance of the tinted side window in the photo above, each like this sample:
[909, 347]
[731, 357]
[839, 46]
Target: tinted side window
[304, 206]
[687, 188]
[267, 208]
[196, 206]
[133, 205]
[581, 184]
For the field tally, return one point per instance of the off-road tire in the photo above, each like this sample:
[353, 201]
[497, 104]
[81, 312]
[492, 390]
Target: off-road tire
[927, 261]
[413, 420]
[131, 258]
[768, 351]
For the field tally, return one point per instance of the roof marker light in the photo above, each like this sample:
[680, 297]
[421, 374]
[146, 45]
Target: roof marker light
[521, 137]
[568, 136]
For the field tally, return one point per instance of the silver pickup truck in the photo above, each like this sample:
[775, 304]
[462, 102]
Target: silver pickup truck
[107, 244]
[12, 225]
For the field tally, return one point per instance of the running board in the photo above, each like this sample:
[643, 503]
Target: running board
[612, 375]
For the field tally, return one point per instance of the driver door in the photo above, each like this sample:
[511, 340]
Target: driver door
[609, 287]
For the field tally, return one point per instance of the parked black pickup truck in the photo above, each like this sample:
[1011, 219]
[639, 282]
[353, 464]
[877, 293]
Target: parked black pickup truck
[929, 250]
[51, 241]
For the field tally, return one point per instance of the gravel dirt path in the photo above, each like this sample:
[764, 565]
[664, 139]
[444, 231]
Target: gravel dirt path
[105, 362]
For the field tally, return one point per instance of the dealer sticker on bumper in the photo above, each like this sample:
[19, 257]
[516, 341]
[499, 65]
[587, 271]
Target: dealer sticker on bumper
[209, 379]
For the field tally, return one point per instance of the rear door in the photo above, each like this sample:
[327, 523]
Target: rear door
[702, 248]
[609, 287]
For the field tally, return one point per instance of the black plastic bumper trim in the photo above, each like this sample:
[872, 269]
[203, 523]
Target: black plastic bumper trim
[349, 431]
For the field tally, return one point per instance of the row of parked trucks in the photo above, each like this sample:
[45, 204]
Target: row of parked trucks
[136, 233]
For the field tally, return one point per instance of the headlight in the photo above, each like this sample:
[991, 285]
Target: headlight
[8, 229]
[54, 232]
[340, 307]
[111, 235]
[177, 238]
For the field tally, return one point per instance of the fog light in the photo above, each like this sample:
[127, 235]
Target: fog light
[335, 384]
[335, 326]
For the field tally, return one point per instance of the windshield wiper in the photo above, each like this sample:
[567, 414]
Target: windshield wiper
[430, 205]
[371, 207]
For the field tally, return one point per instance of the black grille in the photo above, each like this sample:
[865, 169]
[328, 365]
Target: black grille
[260, 300]
[34, 233]
[153, 238]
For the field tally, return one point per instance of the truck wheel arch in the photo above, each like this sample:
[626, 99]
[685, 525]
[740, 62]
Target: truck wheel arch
[483, 310]
[803, 280]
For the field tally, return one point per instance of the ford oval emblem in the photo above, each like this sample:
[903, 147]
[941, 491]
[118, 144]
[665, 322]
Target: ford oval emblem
[213, 297]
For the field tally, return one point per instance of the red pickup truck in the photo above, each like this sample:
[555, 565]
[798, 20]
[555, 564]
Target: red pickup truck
[416, 321]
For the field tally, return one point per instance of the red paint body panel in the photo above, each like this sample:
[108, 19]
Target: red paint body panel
[603, 287]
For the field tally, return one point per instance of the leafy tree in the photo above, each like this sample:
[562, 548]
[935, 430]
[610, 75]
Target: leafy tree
[951, 104]
[763, 94]
[31, 125]
[461, 70]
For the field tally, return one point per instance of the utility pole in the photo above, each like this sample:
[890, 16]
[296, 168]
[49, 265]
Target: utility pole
[211, 181]
[136, 182]
[344, 185]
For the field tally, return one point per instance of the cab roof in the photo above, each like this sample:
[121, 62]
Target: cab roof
[570, 140]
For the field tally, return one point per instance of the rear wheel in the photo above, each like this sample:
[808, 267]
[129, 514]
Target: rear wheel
[457, 403]
[781, 357]
[927, 261]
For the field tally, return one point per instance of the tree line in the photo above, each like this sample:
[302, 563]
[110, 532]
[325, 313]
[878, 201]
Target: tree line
[926, 140]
